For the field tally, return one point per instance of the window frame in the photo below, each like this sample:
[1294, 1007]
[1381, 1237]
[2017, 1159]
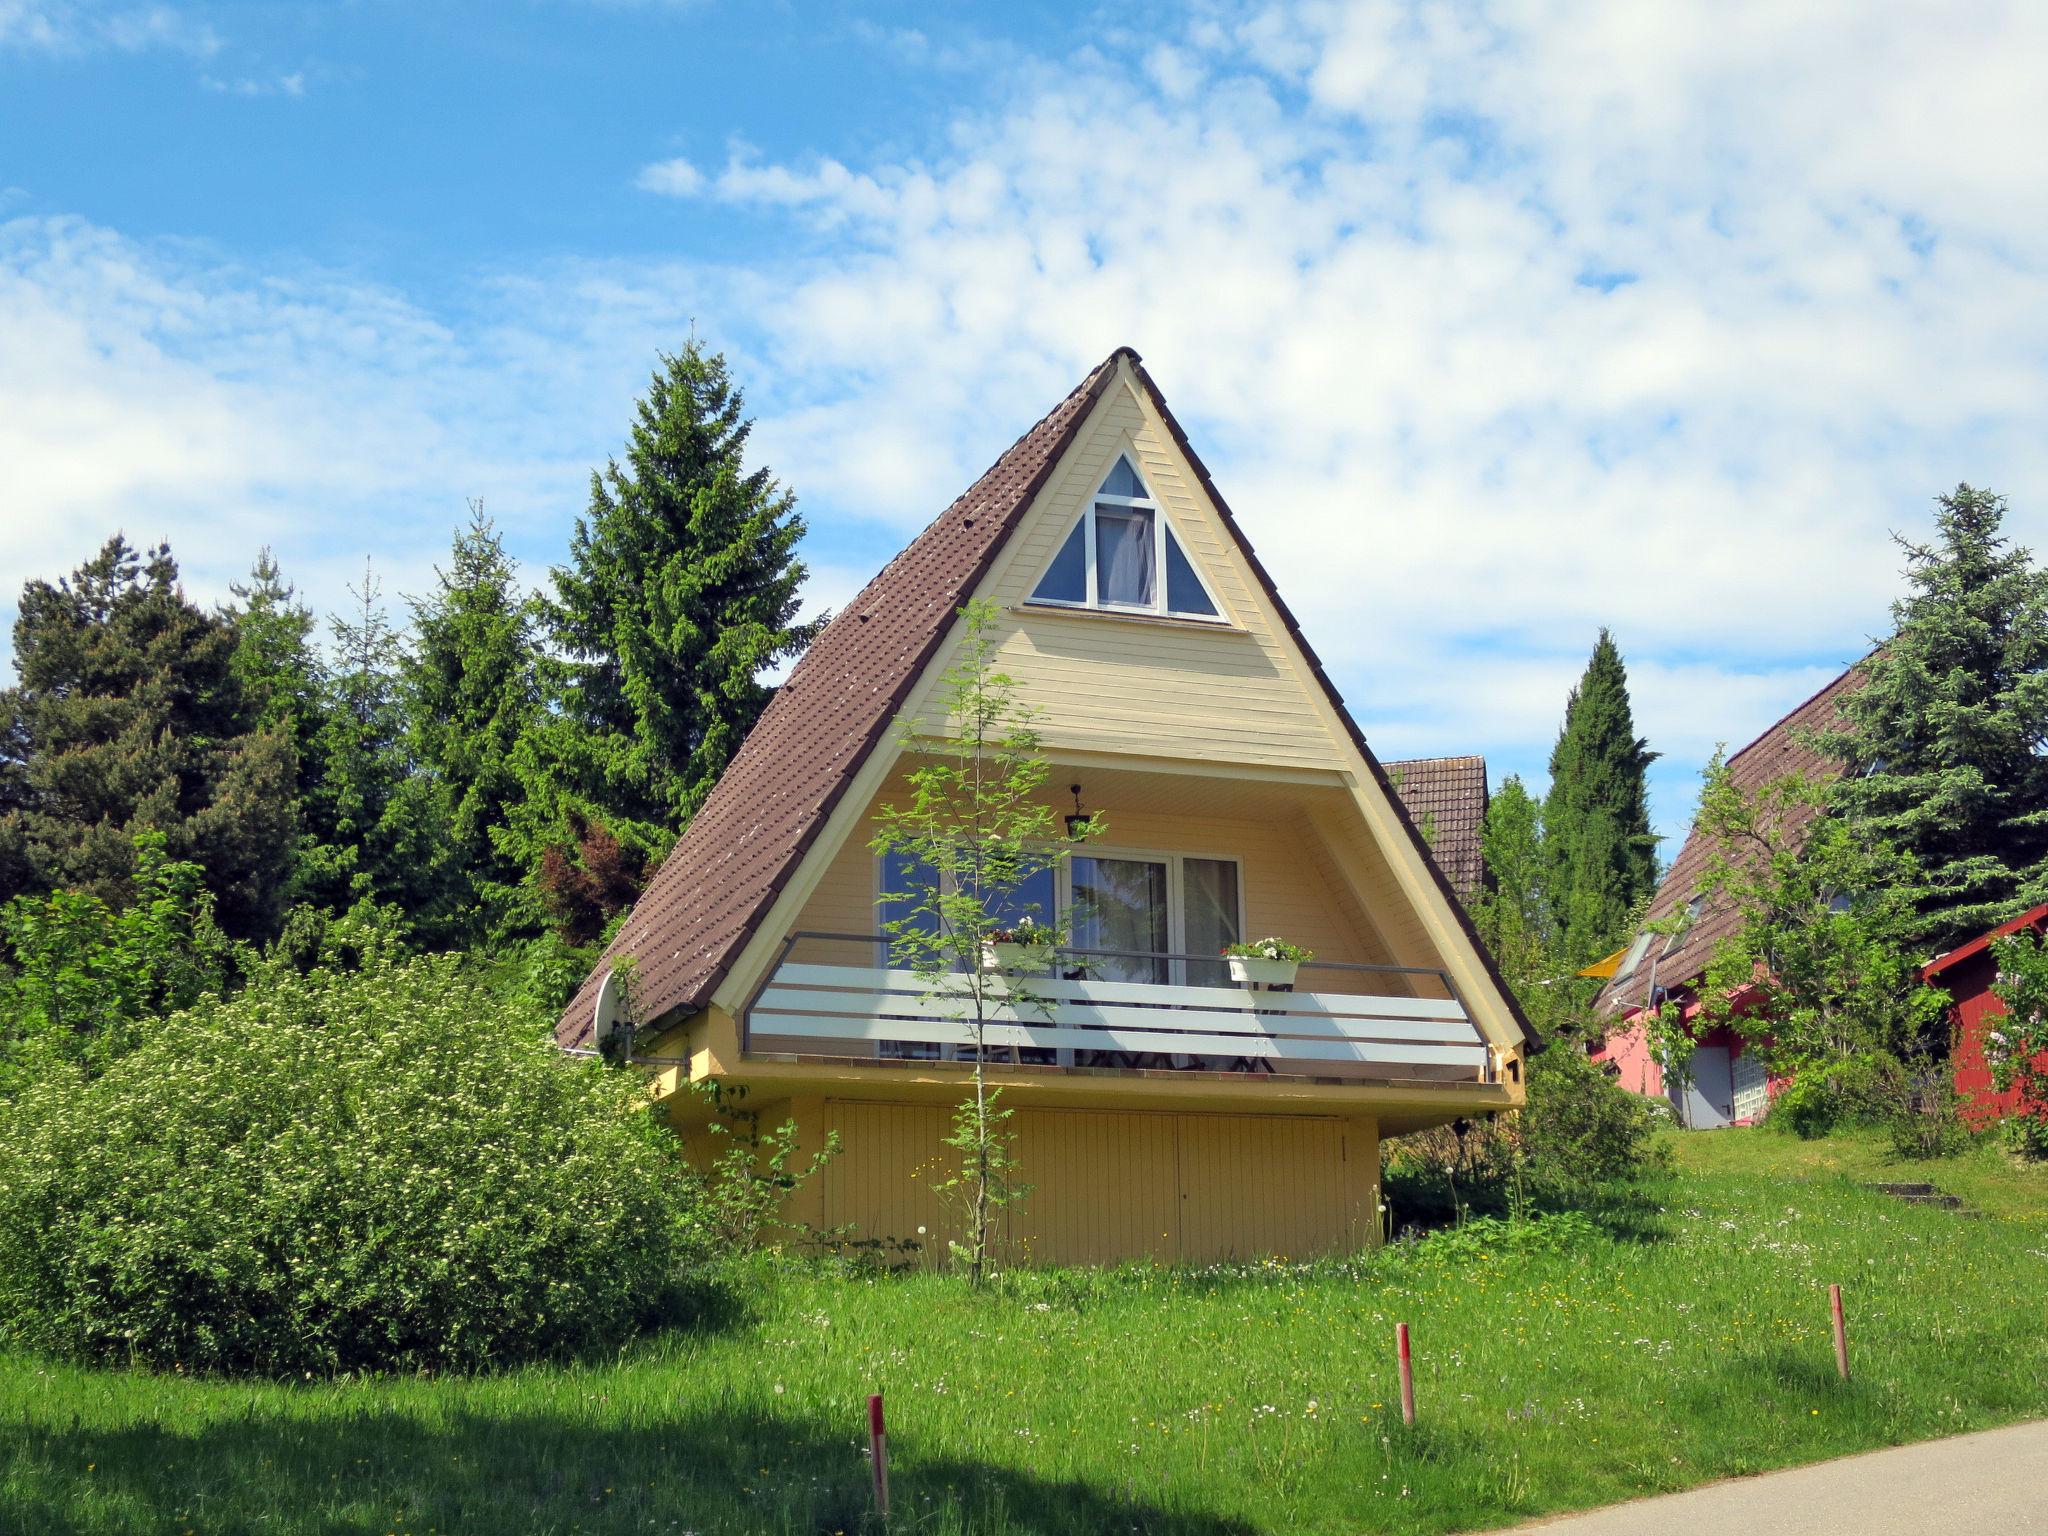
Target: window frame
[1092, 600]
[1176, 897]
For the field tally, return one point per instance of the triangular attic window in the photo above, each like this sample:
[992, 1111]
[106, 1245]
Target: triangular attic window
[1123, 555]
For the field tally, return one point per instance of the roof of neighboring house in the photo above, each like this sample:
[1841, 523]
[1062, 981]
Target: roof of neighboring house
[2036, 918]
[1446, 799]
[1778, 752]
[760, 819]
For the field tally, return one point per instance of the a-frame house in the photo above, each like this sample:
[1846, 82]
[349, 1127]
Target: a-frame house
[1160, 1110]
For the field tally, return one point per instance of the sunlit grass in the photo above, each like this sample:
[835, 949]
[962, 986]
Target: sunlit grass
[1251, 1398]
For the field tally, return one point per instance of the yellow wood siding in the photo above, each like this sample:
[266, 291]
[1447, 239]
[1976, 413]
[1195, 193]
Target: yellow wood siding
[1111, 1185]
[1288, 885]
[1221, 693]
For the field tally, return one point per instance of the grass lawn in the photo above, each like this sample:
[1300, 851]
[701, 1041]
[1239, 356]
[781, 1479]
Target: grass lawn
[1253, 1399]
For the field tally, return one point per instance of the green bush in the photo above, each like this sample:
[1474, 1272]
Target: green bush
[1868, 1088]
[380, 1168]
[1581, 1128]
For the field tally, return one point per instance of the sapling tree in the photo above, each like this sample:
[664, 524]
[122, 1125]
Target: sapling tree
[1816, 969]
[973, 834]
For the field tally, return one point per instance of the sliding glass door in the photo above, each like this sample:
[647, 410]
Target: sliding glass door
[1131, 911]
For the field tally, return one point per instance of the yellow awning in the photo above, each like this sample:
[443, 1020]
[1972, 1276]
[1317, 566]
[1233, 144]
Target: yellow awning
[1606, 968]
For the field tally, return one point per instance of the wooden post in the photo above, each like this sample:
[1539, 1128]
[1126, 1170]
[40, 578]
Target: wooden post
[878, 1443]
[1407, 1374]
[1841, 1332]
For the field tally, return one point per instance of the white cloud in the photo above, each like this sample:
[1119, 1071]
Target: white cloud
[675, 178]
[293, 84]
[1529, 319]
[82, 26]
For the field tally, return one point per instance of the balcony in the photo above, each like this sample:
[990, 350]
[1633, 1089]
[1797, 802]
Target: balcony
[834, 996]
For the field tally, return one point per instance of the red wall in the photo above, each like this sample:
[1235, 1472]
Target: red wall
[1968, 982]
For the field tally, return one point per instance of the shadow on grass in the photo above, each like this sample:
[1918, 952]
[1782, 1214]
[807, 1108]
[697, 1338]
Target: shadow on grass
[338, 1471]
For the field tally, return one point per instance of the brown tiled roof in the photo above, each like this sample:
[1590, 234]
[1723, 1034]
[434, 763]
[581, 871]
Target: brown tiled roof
[1446, 799]
[1773, 755]
[842, 696]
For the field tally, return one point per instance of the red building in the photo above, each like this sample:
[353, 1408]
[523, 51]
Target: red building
[1966, 974]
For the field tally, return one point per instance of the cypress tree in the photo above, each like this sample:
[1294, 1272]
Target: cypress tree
[1943, 745]
[680, 589]
[473, 690]
[1600, 854]
[128, 718]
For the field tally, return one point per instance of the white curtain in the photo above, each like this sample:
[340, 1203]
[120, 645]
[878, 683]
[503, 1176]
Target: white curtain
[1209, 902]
[1120, 904]
[1124, 563]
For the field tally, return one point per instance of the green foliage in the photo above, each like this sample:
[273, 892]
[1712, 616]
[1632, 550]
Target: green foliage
[1599, 852]
[1269, 949]
[680, 589]
[1943, 741]
[755, 1173]
[977, 823]
[1581, 1129]
[472, 691]
[1578, 1132]
[83, 978]
[385, 823]
[274, 659]
[1513, 914]
[130, 717]
[1816, 969]
[1863, 1088]
[380, 1168]
[2015, 1045]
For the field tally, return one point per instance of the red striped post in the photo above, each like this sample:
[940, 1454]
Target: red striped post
[1841, 1332]
[1407, 1374]
[878, 1449]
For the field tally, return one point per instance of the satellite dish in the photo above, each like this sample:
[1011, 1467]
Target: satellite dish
[608, 1016]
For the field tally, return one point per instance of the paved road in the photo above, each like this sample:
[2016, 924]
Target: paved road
[1994, 1481]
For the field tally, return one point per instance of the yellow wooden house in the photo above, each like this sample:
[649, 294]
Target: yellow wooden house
[1161, 1110]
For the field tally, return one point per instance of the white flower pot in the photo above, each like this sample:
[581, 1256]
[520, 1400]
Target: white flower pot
[1004, 956]
[1256, 971]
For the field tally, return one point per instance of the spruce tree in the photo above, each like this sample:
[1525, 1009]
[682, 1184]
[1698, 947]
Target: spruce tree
[129, 718]
[284, 681]
[473, 690]
[1944, 744]
[681, 588]
[274, 659]
[385, 822]
[1600, 855]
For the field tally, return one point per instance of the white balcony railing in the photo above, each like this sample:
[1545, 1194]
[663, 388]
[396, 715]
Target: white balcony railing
[1348, 1021]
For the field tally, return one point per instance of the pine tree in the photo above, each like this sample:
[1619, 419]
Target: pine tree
[1601, 856]
[473, 690]
[681, 588]
[1944, 744]
[129, 718]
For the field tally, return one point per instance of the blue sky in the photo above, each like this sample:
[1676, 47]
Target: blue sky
[1496, 322]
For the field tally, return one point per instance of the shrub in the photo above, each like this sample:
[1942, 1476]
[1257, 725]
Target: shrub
[1867, 1088]
[342, 1170]
[1578, 1131]
[1581, 1128]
